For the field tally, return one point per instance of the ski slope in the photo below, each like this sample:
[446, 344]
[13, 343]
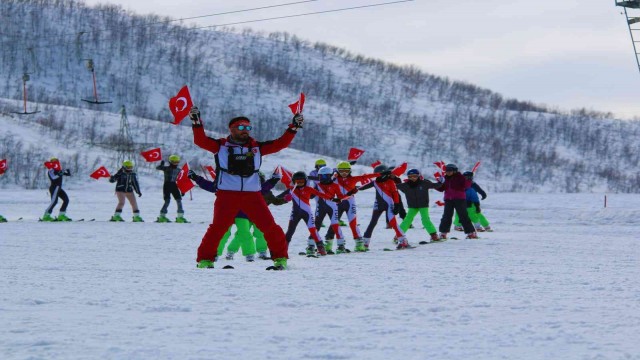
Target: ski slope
[559, 279]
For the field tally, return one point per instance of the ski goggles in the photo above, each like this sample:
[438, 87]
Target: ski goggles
[244, 127]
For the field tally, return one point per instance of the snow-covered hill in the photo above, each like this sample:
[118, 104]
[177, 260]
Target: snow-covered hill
[395, 113]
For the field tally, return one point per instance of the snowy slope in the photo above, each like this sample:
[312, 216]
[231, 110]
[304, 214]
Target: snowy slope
[557, 280]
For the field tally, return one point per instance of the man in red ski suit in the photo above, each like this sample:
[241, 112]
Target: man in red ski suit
[301, 194]
[238, 158]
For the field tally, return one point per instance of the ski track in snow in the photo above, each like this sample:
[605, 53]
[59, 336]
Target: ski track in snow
[557, 280]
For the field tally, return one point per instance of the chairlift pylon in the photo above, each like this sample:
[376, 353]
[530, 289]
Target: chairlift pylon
[632, 14]
[25, 78]
[95, 100]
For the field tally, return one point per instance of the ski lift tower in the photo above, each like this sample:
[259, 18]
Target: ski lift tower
[25, 78]
[91, 67]
[125, 145]
[632, 13]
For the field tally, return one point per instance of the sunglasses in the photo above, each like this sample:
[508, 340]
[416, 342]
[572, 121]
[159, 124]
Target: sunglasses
[244, 127]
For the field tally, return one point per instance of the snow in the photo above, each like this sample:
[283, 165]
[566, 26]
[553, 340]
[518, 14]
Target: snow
[557, 279]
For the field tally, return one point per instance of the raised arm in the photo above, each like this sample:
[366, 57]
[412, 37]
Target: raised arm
[273, 146]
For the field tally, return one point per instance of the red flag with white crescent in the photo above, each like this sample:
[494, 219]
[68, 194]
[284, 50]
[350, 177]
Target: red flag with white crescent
[180, 105]
[438, 176]
[152, 155]
[287, 176]
[55, 165]
[211, 171]
[475, 167]
[400, 169]
[376, 163]
[354, 154]
[100, 173]
[440, 165]
[296, 107]
[183, 181]
[3, 166]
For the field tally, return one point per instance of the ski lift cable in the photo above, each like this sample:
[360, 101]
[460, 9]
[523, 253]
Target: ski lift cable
[81, 32]
[255, 20]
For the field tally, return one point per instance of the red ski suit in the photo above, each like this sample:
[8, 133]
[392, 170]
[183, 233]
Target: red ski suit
[301, 210]
[240, 193]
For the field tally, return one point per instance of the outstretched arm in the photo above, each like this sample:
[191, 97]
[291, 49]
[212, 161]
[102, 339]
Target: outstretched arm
[273, 146]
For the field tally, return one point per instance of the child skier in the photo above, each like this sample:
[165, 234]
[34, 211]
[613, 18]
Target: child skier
[301, 193]
[170, 188]
[126, 184]
[348, 187]
[454, 188]
[416, 190]
[56, 191]
[478, 219]
[387, 201]
[327, 185]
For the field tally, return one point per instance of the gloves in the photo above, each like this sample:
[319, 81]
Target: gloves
[67, 172]
[297, 121]
[192, 175]
[352, 191]
[484, 197]
[276, 175]
[353, 162]
[396, 208]
[194, 115]
[336, 200]
[139, 194]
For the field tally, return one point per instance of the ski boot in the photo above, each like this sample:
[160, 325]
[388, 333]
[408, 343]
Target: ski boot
[250, 258]
[47, 217]
[205, 264]
[116, 218]
[479, 228]
[403, 243]
[434, 237]
[342, 223]
[163, 219]
[458, 228]
[229, 255]
[137, 218]
[311, 250]
[278, 264]
[63, 217]
[472, 235]
[328, 246]
[321, 249]
[488, 228]
[2, 219]
[342, 250]
[360, 246]
[181, 220]
[442, 237]
[395, 240]
[263, 256]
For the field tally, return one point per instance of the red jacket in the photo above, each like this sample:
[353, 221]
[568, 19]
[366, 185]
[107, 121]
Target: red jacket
[455, 187]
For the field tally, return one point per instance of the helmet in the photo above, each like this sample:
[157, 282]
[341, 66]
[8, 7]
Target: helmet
[468, 174]
[451, 167]
[174, 158]
[320, 163]
[380, 169]
[128, 164]
[299, 175]
[413, 172]
[343, 165]
[325, 175]
[53, 159]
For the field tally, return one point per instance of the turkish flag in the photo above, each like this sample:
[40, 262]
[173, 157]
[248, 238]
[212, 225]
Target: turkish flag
[354, 154]
[211, 171]
[440, 165]
[183, 181]
[180, 105]
[437, 175]
[287, 176]
[3, 166]
[475, 167]
[296, 107]
[55, 165]
[378, 162]
[439, 203]
[152, 155]
[101, 172]
[400, 169]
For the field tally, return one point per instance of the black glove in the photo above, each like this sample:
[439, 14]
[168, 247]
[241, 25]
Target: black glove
[297, 121]
[352, 191]
[194, 115]
[336, 200]
[353, 162]
[484, 197]
[67, 172]
[396, 208]
[192, 175]
[139, 194]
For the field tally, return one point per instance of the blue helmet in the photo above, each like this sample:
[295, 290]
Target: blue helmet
[413, 172]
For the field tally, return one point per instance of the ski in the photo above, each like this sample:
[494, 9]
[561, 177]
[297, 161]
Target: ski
[228, 267]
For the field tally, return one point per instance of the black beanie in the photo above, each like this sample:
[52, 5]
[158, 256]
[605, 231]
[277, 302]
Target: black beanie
[239, 118]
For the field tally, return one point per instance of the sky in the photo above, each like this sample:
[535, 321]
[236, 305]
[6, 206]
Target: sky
[564, 54]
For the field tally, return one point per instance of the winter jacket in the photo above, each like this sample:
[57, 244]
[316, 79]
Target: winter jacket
[417, 192]
[126, 181]
[455, 187]
[170, 172]
[55, 176]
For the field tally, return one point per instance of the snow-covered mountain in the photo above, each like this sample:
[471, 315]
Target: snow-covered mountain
[395, 113]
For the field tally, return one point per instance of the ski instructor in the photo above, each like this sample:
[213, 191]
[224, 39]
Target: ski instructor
[238, 158]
